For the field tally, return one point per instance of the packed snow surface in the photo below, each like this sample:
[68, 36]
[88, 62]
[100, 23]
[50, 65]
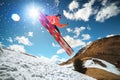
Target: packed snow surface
[20, 66]
[109, 67]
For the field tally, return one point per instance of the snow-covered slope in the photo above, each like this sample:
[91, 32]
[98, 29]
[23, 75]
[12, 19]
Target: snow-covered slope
[18, 66]
[95, 63]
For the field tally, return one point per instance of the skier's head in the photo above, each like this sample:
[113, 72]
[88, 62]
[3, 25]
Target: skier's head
[58, 15]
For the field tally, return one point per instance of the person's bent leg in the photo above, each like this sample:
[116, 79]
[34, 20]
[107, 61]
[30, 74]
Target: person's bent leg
[57, 28]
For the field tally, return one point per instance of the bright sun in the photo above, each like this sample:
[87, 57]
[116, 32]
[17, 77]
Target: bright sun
[34, 13]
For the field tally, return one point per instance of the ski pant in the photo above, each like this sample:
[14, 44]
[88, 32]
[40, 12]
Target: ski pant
[57, 28]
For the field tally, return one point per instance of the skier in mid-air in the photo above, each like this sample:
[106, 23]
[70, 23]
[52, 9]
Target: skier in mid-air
[51, 23]
[54, 19]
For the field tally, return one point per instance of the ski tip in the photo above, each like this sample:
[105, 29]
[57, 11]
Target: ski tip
[70, 53]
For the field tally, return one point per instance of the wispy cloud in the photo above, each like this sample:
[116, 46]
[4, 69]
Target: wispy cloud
[30, 34]
[23, 40]
[74, 42]
[89, 28]
[10, 39]
[85, 36]
[57, 2]
[107, 11]
[76, 31]
[55, 45]
[104, 2]
[82, 13]
[54, 59]
[73, 5]
[60, 51]
[18, 48]
[69, 30]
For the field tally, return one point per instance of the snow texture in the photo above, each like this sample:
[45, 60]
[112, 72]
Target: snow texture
[109, 67]
[20, 66]
[1, 49]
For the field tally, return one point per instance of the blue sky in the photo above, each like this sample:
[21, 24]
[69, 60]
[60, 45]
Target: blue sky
[88, 21]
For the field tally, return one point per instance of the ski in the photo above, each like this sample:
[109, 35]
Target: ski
[57, 36]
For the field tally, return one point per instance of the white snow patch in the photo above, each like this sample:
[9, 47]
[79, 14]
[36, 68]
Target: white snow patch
[18, 66]
[109, 67]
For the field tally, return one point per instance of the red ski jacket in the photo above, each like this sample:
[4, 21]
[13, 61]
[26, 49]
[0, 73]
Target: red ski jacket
[55, 20]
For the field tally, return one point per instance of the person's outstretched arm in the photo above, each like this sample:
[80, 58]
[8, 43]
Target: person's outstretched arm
[60, 25]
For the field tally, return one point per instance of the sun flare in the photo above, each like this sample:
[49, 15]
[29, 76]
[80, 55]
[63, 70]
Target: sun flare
[34, 13]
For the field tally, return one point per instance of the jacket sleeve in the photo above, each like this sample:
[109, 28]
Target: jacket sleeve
[60, 25]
